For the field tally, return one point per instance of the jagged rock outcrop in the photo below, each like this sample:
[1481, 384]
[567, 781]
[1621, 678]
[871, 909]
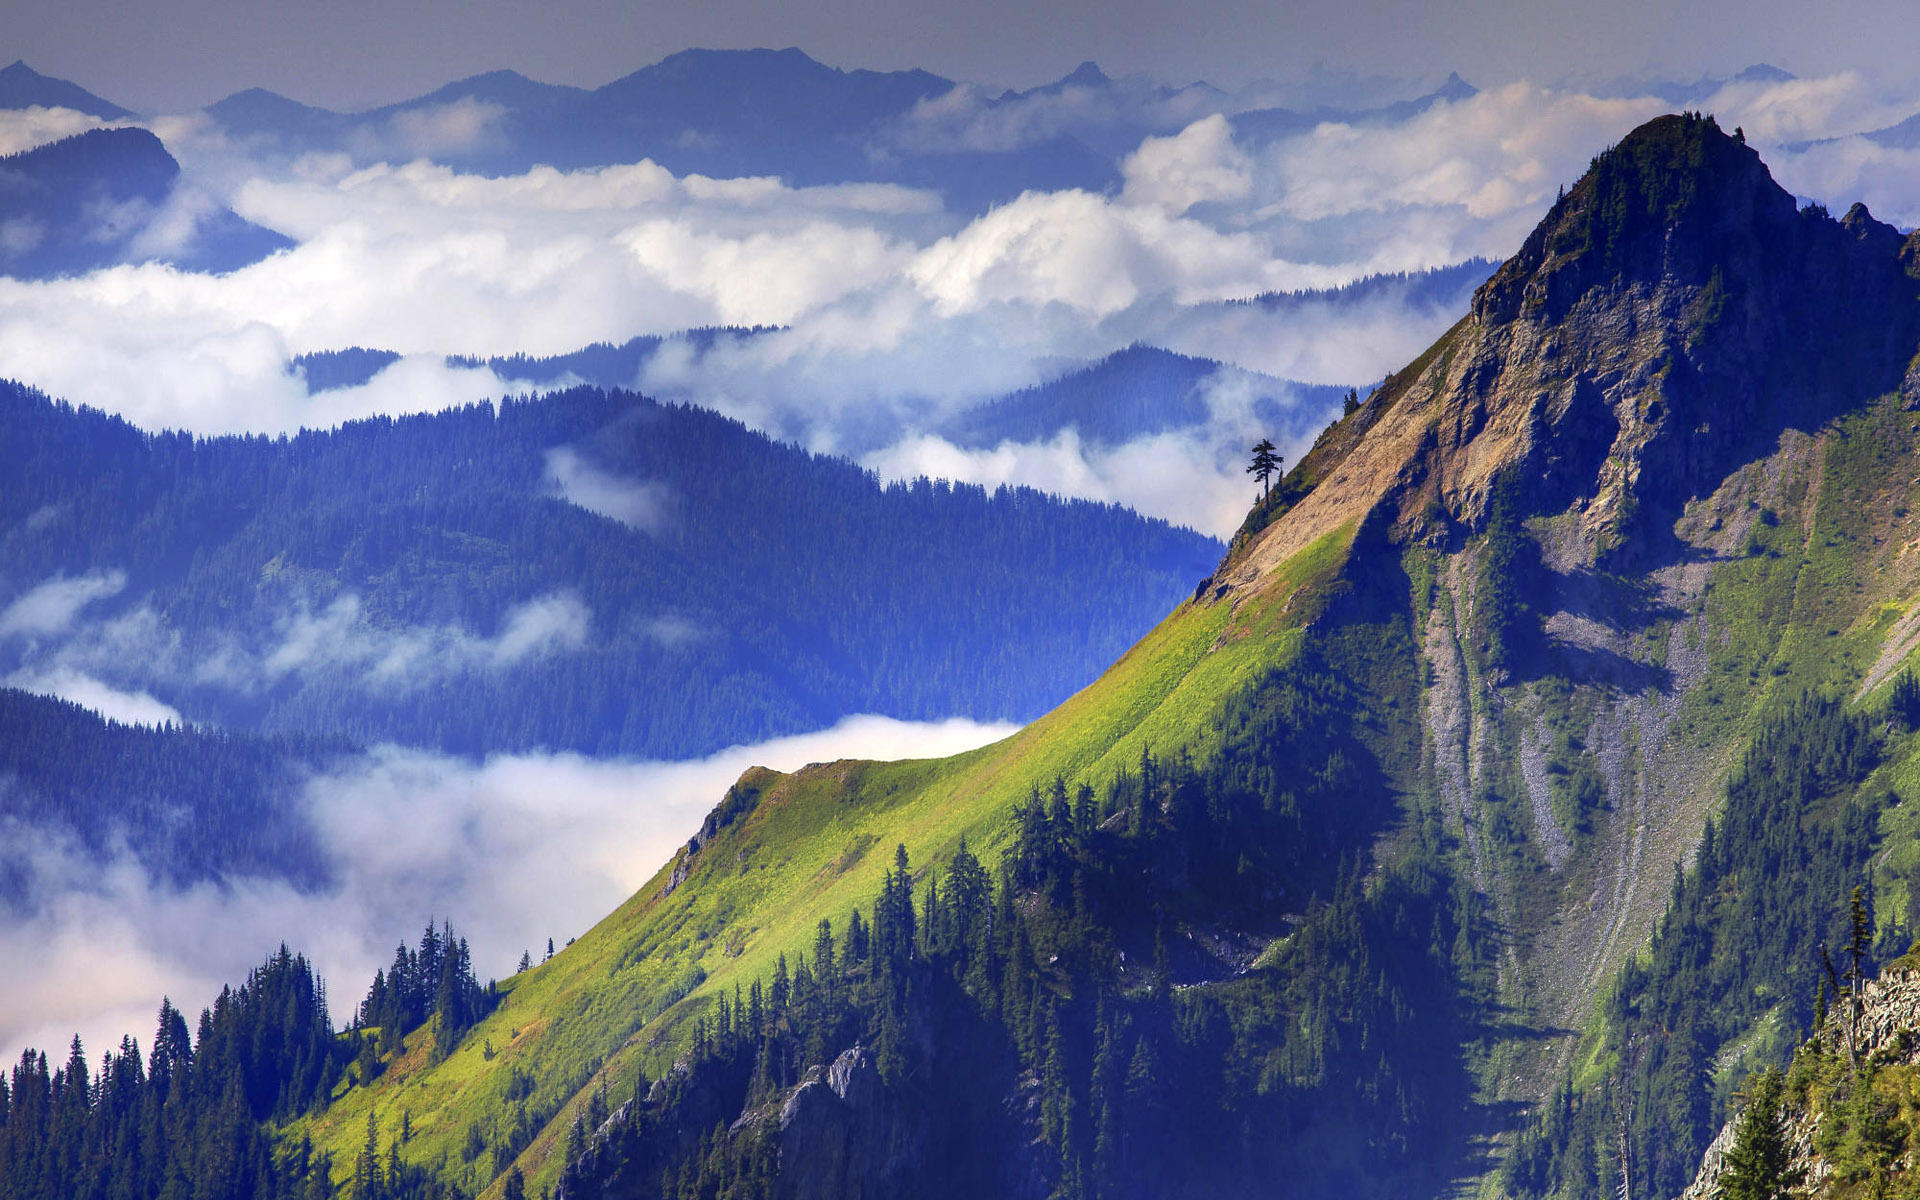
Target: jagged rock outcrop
[1665, 322]
[839, 1139]
[1886, 1033]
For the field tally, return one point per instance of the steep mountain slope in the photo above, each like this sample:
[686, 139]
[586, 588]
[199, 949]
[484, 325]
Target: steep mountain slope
[590, 571]
[23, 87]
[101, 198]
[1371, 824]
[1840, 1120]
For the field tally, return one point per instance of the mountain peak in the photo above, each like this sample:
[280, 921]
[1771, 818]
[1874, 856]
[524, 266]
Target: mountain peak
[1671, 317]
[1087, 74]
[1764, 73]
[23, 87]
[1673, 199]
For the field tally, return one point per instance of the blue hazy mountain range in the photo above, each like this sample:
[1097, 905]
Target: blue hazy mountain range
[1135, 392]
[732, 113]
[23, 87]
[96, 199]
[729, 113]
[590, 571]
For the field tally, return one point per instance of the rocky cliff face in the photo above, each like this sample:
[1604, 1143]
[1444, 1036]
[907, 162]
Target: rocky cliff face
[1821, 1089]
[1671, 317]
[1656, 371]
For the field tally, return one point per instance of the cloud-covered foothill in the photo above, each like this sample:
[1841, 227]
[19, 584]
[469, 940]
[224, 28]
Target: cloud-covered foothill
[513, 849]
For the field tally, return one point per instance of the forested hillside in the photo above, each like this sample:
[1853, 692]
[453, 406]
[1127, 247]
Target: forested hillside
[190, 805]
[590, 570]
[1366, 848]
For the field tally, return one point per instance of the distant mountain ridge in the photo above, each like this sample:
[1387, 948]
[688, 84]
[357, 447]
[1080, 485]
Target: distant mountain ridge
[93, 200]
[1137, 392]
[589, 571]
[23, 87]
[780, 112]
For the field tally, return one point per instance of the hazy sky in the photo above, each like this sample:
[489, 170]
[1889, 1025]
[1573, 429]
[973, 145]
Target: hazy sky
[177, 54]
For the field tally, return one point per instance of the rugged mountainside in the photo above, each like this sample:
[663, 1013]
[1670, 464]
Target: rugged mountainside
[1842, 1118]
[1461, 698]
[1471, 829]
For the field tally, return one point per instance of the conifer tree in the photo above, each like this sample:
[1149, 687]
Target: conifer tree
[368, 1182]
[1266, 462]
[1759, 1165]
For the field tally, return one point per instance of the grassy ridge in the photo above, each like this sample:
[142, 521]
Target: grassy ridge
[815, 843]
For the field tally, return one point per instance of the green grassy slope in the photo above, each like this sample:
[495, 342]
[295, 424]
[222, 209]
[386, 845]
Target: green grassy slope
[814, 844]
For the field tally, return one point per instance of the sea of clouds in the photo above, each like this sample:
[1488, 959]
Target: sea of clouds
[892, 310]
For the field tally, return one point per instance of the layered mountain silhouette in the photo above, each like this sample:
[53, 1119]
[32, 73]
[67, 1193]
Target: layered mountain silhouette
[111, 196]
[729, 113]
[715, 113]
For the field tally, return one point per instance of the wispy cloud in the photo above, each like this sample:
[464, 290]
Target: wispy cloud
[115, 662]
[637, 503]
[25, 128]
[340, 638]
[513, 849]
[52, 606]
[1193, 476]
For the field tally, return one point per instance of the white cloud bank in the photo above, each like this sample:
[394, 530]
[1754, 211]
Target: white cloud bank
[513, 850]
[129, 707]
[894, 312]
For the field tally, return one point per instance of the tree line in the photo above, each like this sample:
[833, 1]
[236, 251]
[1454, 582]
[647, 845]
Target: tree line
[196, 1116]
